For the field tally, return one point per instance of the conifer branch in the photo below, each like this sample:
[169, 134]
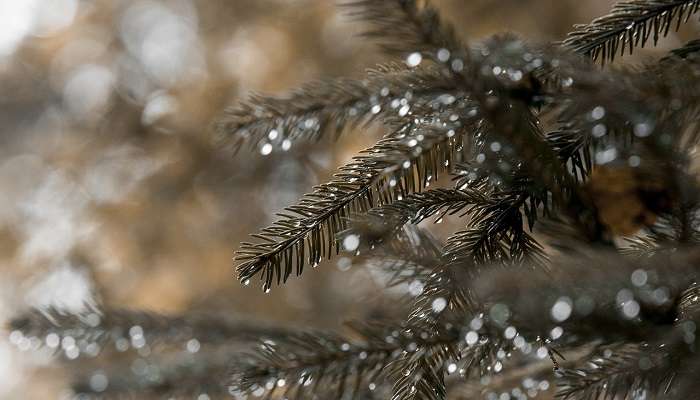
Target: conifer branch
[328, 107]
[323, 364]
[383, 221]
[409, 257]
[121, 329]
[307, 233]
[407, 26]
[688, 51]
[630, 24]
[646, 368]
[177, 377]
[638, 314]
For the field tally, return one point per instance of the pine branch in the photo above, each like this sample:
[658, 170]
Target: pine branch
[383, 221]
[420, 374]
[308, 232]
[497, 233]
[407, 26]
[629, 25]
[626, 372]
[602, 296]
[409, 257]
[648, 368]
[320, 215]
[629, 110]
[329, 107]
[321, 364]
[93, 331]
[176, 377]
[677, 229]
[688, 51]
[519, 380]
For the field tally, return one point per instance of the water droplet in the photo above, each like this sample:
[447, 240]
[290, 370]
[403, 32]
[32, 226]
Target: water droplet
[510, 332]
[606, 156]
[135, 331]
[98, 382]
[471, 338]
[273, 134]
[52, 340]
[286, 144]
[630, 309]
[498, 367]
[443, 55]
[351, 242]
[556, 332]
[599, 130]
[414, 59]
[598, 113]
[72, 353]
[193, 345]
[476, 323]
[344, 263]
[266, 149]
[404, 110]
[439, 304]
[452, 368]
[639, 277]
[634, 161]
[376, 109]
[561, 310]
[499, 313]
[642, 129]
[415, 288]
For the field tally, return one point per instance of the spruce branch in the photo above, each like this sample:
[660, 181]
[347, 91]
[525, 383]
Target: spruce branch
[402, 27]
[383, 221]
[639, 369]
[120, 329]
[408, 257]
[607, 296]
[496, 233]
[688, 51]
[328, 107]
[324, 364]
[307, 232]
[177, 376]
[630, 24]
[420, 374]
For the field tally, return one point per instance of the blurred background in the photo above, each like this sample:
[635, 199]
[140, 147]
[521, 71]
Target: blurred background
[112, 192]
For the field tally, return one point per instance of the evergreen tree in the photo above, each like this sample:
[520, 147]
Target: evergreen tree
[577, 268]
